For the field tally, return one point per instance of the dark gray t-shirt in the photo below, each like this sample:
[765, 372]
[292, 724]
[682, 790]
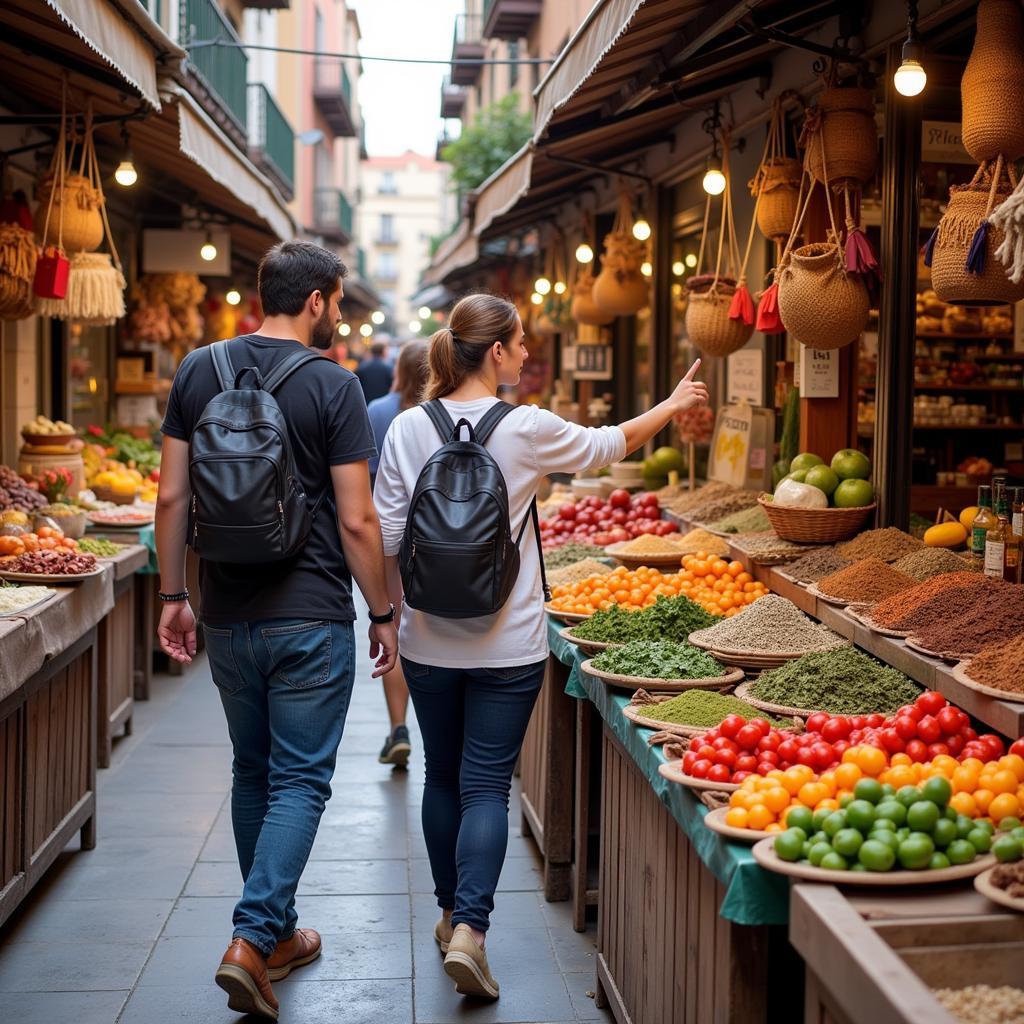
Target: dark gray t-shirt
[323, 405]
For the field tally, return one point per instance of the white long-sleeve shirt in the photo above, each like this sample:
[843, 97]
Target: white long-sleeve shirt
[527, 445]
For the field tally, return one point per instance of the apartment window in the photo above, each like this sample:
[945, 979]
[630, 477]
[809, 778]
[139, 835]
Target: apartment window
[513, 69]
[387, 299]
[387, 267]
[387, 227]
[387, 183]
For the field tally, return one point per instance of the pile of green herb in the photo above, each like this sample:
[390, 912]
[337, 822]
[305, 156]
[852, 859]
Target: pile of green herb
[702, 708]
[749, 520]
[99, 546]
[669, 618]
[567, 554]
[841, 682]
[662, 659]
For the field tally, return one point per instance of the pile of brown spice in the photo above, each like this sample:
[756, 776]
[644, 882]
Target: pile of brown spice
[999, 665]
[887, 544]
[995, 614]
[928, 602]
[816, 565]
[727, 504]
[683, 502]
[866, 581]
[929, 562]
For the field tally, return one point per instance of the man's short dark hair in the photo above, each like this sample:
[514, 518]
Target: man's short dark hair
[291, 271]
[378, 348]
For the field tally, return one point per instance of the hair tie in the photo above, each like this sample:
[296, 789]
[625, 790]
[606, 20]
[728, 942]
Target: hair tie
[455, 337]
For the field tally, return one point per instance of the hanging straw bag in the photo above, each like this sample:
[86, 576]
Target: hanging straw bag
[621, 288]
[844, 120]
[963, 251]
[17, 257]
[990, 91]
[776, 185]
[584, 309]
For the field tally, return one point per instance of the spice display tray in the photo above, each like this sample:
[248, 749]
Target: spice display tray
[570, 617]
[941, 656]
[672, 770]
[715, 820]
[746, 659]
[668, 560]
[839, 602]
[983, 883]
[743, 693]
[792, 579]
[586, 646]
[961, 676]
[58, 578]
[861, 613]
[633, 713]
[29, 607]
[734, 675]
[136, 524]
[765, 855]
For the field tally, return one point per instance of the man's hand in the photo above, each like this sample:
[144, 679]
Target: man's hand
[177, 631]
[383, 647]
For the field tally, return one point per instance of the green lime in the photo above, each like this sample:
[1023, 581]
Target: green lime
[819, 837]
[893, 810]
[845, 800]
[789, 844]
[800, 817]
[1018, 833]
[883, 825]
[964, 826]
[922, 815]
[938, 790]
[980, 840]
[868, 789]
[960, 851]
[952, 813]
[876, 855]
[820, 816]
[834, 822]
[860, 814]
[1007, 849]
[805, 851]
[986, 825]
[857, 866]
[902, 833]
[889, 839]
[888, 789]
[939, 860]
[1009, 823]
[847, 841]
[944, 832]
[916, 851]
[803, 834]
[908, 795]
[818, 850]
[834, 861]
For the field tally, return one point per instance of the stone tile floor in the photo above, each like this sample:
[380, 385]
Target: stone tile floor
[133, 930]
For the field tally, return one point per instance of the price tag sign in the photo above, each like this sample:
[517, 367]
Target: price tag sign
[593, 362]
[819, 373]
[942, 143]
[730, 448]
[746, 376]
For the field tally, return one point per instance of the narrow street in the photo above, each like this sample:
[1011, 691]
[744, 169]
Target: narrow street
[133, 930]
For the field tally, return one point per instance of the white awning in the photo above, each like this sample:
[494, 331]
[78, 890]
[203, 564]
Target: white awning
[458, 250]
[503, 189]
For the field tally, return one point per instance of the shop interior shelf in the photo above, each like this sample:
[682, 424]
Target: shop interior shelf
[1014, 389]
[965, 336]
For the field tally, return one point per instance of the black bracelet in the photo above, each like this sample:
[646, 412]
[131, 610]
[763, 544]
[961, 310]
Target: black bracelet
[388, 616]
[173, 598]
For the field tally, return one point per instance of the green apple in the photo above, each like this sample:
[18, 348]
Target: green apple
[850, 464]
[806, 460]
[823, 478]
[799, 476]
[853, 494]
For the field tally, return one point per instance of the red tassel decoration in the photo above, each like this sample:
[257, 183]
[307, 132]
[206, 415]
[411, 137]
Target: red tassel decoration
[742, 305]
[768, 319]
[860, 257]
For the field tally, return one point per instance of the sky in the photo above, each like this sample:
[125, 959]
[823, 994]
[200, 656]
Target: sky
[402, 102]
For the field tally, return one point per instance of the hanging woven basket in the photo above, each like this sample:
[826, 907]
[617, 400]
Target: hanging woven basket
[780, 196]
[845, 119]
[990, 90]
[709, 326]
[79, 202]
[18, 256]
[820, 303]
[621, 288]
[584, 309]
[95, 294]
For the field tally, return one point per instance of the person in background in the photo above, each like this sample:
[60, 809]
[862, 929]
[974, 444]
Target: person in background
[375, 373]
[410, 380]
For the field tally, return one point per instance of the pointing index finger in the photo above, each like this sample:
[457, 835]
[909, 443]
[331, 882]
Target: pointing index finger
[692, 370]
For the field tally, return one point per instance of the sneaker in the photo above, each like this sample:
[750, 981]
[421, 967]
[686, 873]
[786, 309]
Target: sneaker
[243, 975]
[466, 965]
[443, 934]
[397, 748]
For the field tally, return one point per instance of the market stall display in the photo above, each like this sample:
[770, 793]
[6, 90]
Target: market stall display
[719, 587]
[887, 544]
[929, 562]
[621, 517]
[662, 666]
[815, 565]
[49, 566]
[15, 600]
[865, 582]
[669, 618]
[689, 713]
[569, 554]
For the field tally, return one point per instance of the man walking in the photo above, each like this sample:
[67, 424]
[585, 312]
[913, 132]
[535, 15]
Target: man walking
[279, 634]
[375, 373]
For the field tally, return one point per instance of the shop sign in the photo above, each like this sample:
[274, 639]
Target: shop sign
[730, 448]
[819, 372]
[171, 252]
[593, 362]
[746, 376]
[941, 143]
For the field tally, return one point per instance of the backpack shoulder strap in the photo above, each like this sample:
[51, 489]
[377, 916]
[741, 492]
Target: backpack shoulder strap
[286, 368]
[439, 417]
[490, 420]
[222, 365]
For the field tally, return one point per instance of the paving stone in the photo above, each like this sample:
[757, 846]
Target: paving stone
[575, 952]
[54, 1007]
[579, 985]
[321, 878]
[524, 997]
[48, 919]
[134, 815]
[71, 966]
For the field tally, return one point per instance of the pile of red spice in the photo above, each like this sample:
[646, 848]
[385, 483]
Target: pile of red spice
[866, 581]
[993, 614]
[1000, 665]
[932, 601]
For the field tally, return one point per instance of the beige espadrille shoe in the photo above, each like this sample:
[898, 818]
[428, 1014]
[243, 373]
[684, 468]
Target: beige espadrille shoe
[466, 964]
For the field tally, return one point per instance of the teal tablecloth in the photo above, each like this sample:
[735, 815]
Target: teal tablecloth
[753, 896]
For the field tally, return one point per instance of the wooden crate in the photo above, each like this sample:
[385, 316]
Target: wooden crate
[48, 760]
[665, 956]
[116, 678]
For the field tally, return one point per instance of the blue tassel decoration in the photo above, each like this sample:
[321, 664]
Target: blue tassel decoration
[929, 247]
[976, 255]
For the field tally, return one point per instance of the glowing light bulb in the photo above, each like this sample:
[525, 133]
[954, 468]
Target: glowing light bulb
[415, 326]
[646, 269]
[233, 297]
[126, 175]
[910, 78]
[366, 330]
[344, 330]
[641, 230]
[714, 181]
[542, 285]
[560, 287]
[584, 254]
[423, 312]
[679, 268]
[536, 298]
[378, 317]
[691, 260]
[208, 252]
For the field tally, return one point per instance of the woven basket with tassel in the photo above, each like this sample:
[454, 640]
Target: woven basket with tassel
[621, 288]
[80, 204]
[17, 272]
[709, 326]
[780, 194]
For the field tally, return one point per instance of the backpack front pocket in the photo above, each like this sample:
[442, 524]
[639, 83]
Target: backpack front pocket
[451, 580]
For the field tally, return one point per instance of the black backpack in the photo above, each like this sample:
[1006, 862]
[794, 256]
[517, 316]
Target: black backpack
[458, 559]
[247, 503]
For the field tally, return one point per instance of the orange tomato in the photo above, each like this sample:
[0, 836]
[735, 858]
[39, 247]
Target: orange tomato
[982, 799]
[1003, 805]
[963, 803]
[736, 817]
[848, 775]
[759, 817]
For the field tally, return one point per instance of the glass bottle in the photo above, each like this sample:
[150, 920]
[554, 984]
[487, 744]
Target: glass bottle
[1015, 537]
[982, 522]
[995, 538]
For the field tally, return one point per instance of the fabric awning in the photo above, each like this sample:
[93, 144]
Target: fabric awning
[503, 189]
[457, 251]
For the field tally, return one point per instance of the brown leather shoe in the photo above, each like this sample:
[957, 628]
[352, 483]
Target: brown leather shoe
[243, 975]
[302, 948]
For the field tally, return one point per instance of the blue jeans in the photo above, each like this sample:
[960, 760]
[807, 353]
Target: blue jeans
[285, 685]
[473, 722]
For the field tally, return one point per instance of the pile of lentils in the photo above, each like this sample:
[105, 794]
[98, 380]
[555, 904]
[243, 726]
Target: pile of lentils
[816, 564]
[999, 666]
[662, 659]
[841, 682]
[683, 503]
[771, 625]
[930, 562]
[581, 570]
[701, 709]
[718, 508]
[994, 615]
[751, 520]
[888, 544]
[934, 600]
[569, 553]
[868, 581]
[768, 547]
[700, 540]
[669, 618]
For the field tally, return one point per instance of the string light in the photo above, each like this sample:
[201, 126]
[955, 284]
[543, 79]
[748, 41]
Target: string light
[366, 330]
[584, 254]
[344, 330]
[910, 77]
[691, 260]
[678, 268]
[646, 269]
[126, 175]
[208, 252]
[542, 285]
[233, 297]
[641, 230]
[560, 287]
[424, 312]
[415, 326]
[378, 317]
[714, 179]
[536, 298]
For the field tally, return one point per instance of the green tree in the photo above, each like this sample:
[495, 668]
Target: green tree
[498, 132]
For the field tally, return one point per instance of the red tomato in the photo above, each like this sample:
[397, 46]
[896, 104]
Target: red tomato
[749, 736]
[764, 767]
[770, 756]
[892, 741]
[949, 719]
[930, 702]
[906, 727]
[994, 744]
[823, 756]
[618, 535]
[1017, 747]
[805, 755]
[567, 512]
[917, 751]
[726, 756]
[650, 500]
[740, 776]
[619, 518]
[724, 743]
[689, 759]
[718, 773]
[762, 725]
[858, 721]
[788, 750]
[701, 767]
[770, 742]
[929, 730]
[911, 710]
[816, 721]
[731, 725]
[875, 721]
[956, 744]
[619, 499]
[841, 747]
[937, 749]
[835, 729]
[706, 752]
[746, 763]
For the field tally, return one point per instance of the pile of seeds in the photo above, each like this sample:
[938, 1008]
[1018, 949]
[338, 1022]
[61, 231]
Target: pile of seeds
[768, 547]
[701, 708]
[700, 540]
[581, 570]
[841, 682]
[995, 615]
[669, 618]
[718, 508]
[815, 565]
[750, 520]
[934, 600]
[683, 502]
[929, 562]
[888, 544]
[868, 581]
[662, 659]
[999, 666]
[651, 544]
[569, 553]
[983, 1004]
[771, 625]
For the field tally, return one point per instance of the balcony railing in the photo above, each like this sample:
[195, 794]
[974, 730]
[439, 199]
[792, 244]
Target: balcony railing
[510, 19]
[386, 238]
[332, 91]
[332, 215]
[271, 139]
[467, 44]
[453, 99]
[221, 69]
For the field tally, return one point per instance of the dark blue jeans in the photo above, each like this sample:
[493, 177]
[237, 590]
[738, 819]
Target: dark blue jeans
[285, 686]
[473, 722]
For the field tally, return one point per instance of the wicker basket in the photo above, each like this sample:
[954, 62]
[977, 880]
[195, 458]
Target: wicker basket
[79, 203]
[815, 525]
[709, 326]
[584, 309]
[847, 124]
[780, 193]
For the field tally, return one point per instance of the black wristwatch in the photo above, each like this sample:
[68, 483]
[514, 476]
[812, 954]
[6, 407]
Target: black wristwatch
[388, 616]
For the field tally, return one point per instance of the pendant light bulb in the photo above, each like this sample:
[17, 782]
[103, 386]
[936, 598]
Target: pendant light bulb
[366, 330]
[584, 254]
[641, 230]
[536, 298]
[126, 175]
[542, 285]
[560, 287]
[208, 252]
[415, 326]
[378, 317]
[423, 312]
[678, 268]
[233, 297]
[910, 77]
[691, 260]
[646, 269]
[344, 330]
[714, 179]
